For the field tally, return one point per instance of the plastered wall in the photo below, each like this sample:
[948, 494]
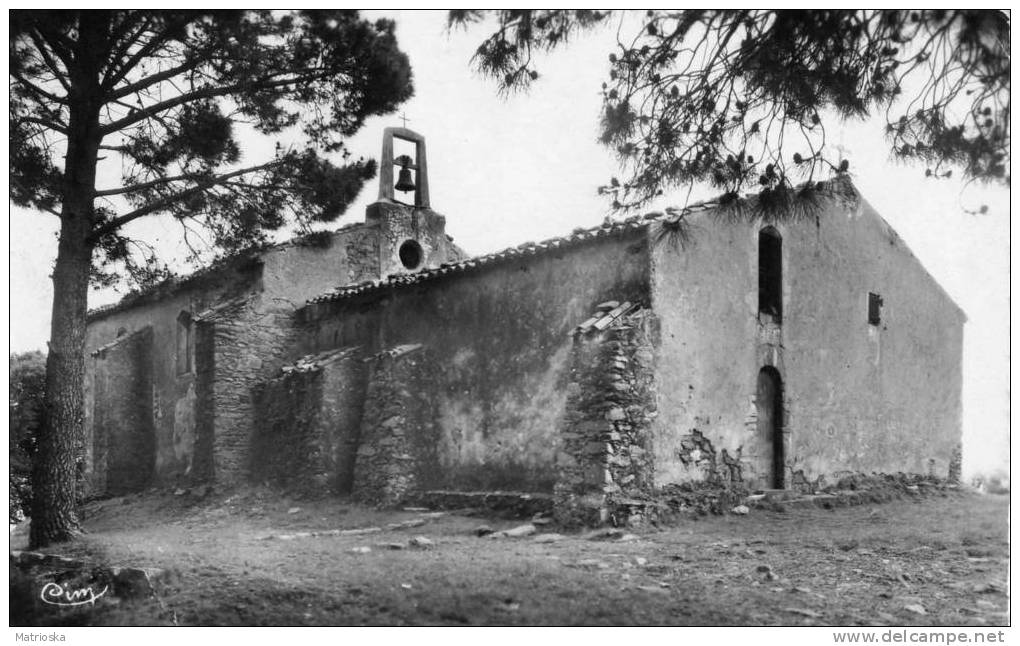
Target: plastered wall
[857, 397]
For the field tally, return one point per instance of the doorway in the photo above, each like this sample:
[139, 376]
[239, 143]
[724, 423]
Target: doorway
[769, 402]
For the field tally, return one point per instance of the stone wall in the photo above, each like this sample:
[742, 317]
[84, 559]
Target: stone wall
[399, 224]
[344, 386]
[307, 424]
[247, 343]
[606, 452]
[500, 342]
[287, 446]
[398, 453]
[207, 410]
[124, 445]
[173, 396]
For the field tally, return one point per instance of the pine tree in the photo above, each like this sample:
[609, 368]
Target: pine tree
[737, 98]
[168, 95]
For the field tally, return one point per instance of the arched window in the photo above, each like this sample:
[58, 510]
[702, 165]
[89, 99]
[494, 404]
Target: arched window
[185, 343]
[770, 274]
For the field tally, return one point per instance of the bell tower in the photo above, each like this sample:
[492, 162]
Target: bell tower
[406, 183]
[412, 236]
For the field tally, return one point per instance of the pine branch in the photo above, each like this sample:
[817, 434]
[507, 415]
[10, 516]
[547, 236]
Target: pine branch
[206, 93]
[35, 89]
[159, 77]
[159, 205]
[52, 125]
[157, 41]
[41, 47]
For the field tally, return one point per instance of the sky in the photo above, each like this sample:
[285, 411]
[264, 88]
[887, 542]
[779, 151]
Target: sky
[506, 170]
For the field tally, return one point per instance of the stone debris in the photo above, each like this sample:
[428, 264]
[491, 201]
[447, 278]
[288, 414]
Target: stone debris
[516, 532]
[653, 588]
[548, 538]
[603, 318]
[364, 549]
[407, 524]
[641, 561]
[293, 510]
[133, 583]
[915, 608]
[740, 510]
[804, 612]
[508, 605]
[484, 530]
[391, 546]
[766, 570]
[990, 587]
[422, 542]
[592, 563]
[349, 532]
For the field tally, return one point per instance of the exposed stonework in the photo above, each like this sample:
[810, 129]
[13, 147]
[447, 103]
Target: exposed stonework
[800, 482]
[955, 465]
[307, 423]
[397, 455]
[202, 416]
[605, 451]
[248, 348]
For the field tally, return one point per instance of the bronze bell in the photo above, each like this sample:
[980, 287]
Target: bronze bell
[405, 182]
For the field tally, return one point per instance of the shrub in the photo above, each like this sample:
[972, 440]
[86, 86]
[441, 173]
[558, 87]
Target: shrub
[28, 384]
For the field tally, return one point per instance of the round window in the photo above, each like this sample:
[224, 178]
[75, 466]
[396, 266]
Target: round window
[411, 254]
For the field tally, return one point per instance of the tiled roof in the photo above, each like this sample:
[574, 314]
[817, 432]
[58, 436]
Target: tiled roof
[120, 339]
[172, 284]
[606, 313]
[218, 312]
[315, 361]
[395, 352]
[578, 236]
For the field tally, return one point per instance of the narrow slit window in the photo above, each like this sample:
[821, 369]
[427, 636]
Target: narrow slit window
[874, 309]
[185, 343]
[770, 274]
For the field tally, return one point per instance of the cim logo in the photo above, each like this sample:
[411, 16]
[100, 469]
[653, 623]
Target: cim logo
[57, 595]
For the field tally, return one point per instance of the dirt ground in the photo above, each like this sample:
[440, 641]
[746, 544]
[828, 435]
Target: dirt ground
[938, 560]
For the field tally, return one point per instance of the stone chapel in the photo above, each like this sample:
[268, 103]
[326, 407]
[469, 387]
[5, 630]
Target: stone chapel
[380, 361]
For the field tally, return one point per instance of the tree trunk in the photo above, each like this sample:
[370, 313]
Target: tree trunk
[61, 434]
[54, 517]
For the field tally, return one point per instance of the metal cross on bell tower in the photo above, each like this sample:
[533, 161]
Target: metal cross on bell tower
[407, 181]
